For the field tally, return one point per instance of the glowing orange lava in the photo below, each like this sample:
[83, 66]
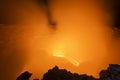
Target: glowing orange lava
[70, 59]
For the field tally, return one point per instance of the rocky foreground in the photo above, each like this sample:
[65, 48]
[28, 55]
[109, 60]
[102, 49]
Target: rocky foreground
[112, 73]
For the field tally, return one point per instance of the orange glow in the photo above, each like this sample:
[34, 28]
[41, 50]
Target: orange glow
[59, 55]
[83, 41]
[70, 59]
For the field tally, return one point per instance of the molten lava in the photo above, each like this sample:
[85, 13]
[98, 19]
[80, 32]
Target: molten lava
[70, 59]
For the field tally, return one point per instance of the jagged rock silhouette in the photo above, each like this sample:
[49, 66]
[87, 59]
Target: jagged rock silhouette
[112, 73]
[24, 76]
[63, 74]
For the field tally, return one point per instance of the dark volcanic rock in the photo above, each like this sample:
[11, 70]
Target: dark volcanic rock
[112, 73]
[62, 74]
[35, 79]
[24, 76]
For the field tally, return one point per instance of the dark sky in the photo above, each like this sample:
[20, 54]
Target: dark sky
[16, 20]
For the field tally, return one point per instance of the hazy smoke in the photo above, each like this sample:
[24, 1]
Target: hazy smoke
[84, 32]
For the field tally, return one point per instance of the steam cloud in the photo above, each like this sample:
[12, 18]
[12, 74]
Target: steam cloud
[84, 31]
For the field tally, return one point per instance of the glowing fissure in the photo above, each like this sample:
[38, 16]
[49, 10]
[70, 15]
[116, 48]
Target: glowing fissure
[70, 59]
[58, 55]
